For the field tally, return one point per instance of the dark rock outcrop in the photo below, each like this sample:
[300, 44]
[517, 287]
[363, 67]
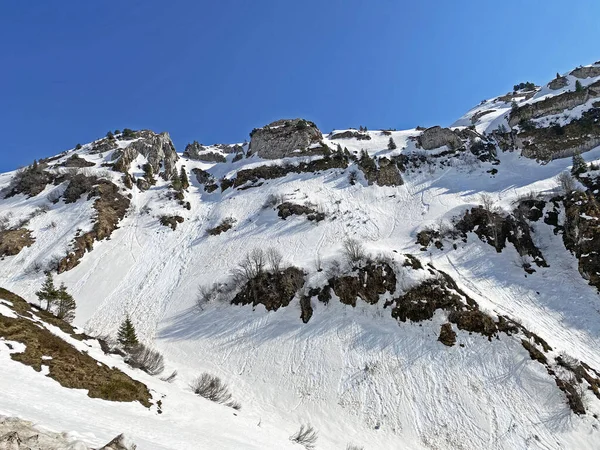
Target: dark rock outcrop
[436, 137]
[578, 136]
[351, 134]
[287, 137]
[111, 206]
[447, 335]
[586, 72]
[158, 149]
[273, 290]
[558, 83]
[77, 161]
[368, 284]
[287, 209]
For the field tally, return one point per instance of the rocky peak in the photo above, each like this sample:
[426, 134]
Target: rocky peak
[286, 137]
[158, 149]
[193, 150]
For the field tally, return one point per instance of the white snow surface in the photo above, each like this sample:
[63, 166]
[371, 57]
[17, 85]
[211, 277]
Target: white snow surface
[357, 375]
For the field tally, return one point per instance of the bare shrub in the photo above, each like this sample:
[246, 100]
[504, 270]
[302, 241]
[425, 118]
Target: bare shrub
[334, 269]
[206, 295]
[354, 252]
[566, 181]
[170, 378]
[150, 361]
[214, 389]
[354, 447]
[275, 258]
[5, 222]
[251, 266]
[272, 201]
[305, 436]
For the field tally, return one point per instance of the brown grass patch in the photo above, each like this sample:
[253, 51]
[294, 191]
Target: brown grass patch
[13, 241]
[68, 366]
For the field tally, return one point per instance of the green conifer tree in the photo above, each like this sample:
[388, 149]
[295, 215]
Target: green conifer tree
[579, 164]
[48, 292]
[391, 144]
[65, 304]
[578, 86]
[126, 336]
[185, 183]
[176, 182]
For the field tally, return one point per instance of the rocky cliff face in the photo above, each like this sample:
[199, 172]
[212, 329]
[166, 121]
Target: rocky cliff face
[158, 149]
[436, 137]
[286, 137]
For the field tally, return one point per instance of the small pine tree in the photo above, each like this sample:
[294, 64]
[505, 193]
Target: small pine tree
[339, 148]
[126, 336]
[557, 75]
[117, 131]
[579, 164]
[110, 135]
[78, 147]
[185, 183]
[578, 86]
[391, 144]
[176, 182]
[65, 304]
[128, 133]
[48, 292]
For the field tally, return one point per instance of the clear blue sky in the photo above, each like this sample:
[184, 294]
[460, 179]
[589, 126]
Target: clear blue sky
[212, 71]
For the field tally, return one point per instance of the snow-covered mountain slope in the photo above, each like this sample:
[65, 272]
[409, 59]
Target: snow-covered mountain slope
[128, 242]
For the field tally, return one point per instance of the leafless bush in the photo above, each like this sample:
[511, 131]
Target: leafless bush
[566, 181]
[306, 436]
[34, 267]
[274, 257]
[354, 252]
[170, 378]
[488, 203]
[206, 295]
[354, 447]
[334, 269]
[150, 361]
[214, 389]
[272, 201]
[5, 222]
[251, 266]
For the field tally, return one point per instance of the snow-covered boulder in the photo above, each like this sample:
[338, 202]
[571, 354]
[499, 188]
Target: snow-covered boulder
[286, 137]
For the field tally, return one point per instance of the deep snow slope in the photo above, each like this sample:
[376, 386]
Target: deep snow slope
[355, 373]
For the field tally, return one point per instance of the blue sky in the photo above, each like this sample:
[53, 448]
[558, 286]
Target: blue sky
[212, 71]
